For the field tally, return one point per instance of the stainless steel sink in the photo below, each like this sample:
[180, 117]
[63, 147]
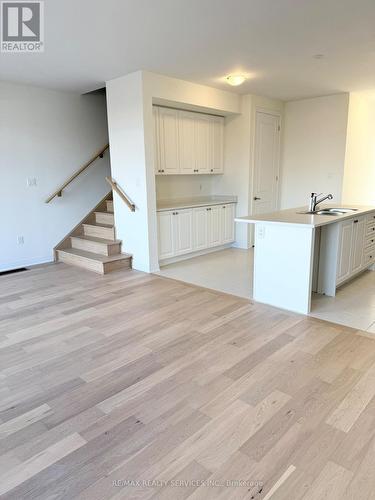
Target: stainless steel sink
[331, 211]
[326, 212]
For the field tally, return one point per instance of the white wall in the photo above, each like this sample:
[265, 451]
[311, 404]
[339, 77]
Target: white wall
[47, 135]
[183, 186]
[359, 176]
[130, 118]
[314, 148]
[125, 101]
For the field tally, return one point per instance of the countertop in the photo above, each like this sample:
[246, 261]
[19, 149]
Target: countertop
[201, 201]
[292, 216]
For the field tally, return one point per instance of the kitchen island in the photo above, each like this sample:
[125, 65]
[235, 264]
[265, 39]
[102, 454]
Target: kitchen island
[297, 253]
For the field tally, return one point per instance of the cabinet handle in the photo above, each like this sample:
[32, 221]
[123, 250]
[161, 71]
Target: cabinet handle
[355, 222]
[256, 198]
[224, 206]
[212, 169]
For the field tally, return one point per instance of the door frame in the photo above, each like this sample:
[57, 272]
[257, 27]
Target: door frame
[273, 112]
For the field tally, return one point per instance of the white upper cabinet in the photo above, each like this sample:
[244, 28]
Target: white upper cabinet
[187, 142]
[216, 145]
[166, 139]
[202, 147]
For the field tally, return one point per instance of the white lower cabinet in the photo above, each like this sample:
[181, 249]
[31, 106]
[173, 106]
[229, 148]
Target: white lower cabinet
[215, 226]
[228, 226]
[175, 233]
[358, 238]
[351, 248]
[183, 231]
[345, 244]
[200, 228]
[191, 230]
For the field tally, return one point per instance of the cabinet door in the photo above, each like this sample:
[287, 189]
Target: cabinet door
[168, 141]
[345, 245]
[359, 230]
[157, 162]
[200, 228]
[214, 226]
[165, 234]
[216, 165]
[227, 215]
[183, 231]
[202, 143]
[186, 127]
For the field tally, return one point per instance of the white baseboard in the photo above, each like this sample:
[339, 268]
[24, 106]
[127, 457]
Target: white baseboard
[187, 256]
[8, 266]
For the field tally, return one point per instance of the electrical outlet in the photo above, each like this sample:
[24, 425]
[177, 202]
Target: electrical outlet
[31, 181]
[261, 231]
[20, 240]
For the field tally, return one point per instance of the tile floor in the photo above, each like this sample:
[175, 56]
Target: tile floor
[231, 271]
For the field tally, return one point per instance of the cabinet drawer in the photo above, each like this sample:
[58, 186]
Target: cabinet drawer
[370, 241]
[370, 218]
[370, 230]
[369, 257]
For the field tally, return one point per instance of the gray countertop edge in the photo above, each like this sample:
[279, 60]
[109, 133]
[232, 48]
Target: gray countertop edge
[293, 217]
[166, 205]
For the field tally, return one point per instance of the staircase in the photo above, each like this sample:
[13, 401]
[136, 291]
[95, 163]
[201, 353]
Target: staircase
[92, 244]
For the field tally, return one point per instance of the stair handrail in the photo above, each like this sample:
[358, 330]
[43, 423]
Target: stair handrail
[121, 193]
[59, 191]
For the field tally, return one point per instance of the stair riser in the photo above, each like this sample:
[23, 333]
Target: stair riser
[76, 260]
[104, 218]
[117, 264]
[96, 247]
[108, 233]
[93, 265]
[109, 205]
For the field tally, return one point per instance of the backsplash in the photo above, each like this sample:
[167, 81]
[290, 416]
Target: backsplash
[183, 186]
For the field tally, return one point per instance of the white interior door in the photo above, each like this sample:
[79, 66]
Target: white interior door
[266, 162]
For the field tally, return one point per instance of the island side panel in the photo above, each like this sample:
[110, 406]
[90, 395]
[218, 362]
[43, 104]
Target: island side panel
[283, 265]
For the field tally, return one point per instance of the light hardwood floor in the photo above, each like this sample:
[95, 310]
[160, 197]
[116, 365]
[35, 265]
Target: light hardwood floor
[134, 377]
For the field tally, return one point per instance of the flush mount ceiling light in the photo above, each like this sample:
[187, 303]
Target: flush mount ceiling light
[235, 79]
[318, 56]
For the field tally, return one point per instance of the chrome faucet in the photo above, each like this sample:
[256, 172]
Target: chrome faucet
[314, 201]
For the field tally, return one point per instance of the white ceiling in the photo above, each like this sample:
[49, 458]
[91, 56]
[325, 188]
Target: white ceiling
[273, 41]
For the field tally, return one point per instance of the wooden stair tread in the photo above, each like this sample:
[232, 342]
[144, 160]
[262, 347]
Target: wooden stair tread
[97, 224]
[95, 256]
[97, 240]
[104, 212]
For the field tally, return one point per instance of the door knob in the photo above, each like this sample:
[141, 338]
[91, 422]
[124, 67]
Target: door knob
[256, 198]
